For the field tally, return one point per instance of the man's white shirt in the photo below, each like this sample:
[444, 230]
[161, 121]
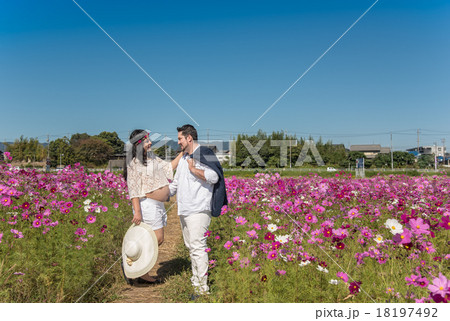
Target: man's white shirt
[193, 194]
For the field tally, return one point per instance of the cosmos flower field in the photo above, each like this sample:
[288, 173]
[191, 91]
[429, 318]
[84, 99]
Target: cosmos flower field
[303, 239]
[340, 239]
[59, 232]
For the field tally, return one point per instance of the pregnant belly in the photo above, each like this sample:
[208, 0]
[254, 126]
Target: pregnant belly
[161, 194]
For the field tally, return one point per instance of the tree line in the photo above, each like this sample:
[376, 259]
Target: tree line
[97, 150]
[90, 151]
[335, 155]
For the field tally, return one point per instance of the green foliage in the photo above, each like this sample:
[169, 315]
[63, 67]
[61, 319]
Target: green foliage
[113, 140]
[93, 150]
[61, 152]
[26, 149]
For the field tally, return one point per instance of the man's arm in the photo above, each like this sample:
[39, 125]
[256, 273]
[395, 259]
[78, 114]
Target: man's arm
[207, 174]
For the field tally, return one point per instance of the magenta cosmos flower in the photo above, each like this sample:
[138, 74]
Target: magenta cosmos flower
[439, 286]
[445, 222]
[272, 255]
[354, 287]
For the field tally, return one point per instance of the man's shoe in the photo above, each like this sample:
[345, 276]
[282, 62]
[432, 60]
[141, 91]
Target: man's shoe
[194, 297]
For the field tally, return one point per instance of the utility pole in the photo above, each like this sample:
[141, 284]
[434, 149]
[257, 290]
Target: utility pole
[443, 150]
[418, 142]
[435, 156]
[392, 155]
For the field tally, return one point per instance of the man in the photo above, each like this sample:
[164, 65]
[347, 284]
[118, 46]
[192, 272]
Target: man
[200, 188]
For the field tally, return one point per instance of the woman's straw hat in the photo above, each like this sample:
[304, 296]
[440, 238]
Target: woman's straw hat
[139, 250]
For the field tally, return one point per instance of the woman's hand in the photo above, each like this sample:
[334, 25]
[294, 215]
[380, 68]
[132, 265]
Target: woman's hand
[137, 218]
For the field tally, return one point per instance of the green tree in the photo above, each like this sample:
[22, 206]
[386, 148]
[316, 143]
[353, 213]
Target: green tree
[26, 149]
[113, 140]
[402, 159]
[76, 139]
[61, 152]
[425, 161]
[382, 160]
[93, 151]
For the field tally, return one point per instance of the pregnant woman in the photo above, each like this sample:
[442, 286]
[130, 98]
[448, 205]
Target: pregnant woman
[147, 177]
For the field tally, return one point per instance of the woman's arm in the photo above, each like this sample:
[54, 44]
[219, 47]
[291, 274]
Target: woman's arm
[137, 218]
[176, 160]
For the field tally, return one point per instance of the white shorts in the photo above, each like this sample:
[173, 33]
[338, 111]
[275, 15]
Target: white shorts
[153, 213]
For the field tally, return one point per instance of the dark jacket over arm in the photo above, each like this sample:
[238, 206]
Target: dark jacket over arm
[219, 197]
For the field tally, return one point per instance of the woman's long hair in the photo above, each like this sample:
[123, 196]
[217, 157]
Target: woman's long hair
[134, 148]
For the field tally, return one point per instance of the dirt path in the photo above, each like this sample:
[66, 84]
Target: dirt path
[163, 267]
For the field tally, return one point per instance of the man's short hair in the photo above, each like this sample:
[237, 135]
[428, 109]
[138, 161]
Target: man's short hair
[187, 130]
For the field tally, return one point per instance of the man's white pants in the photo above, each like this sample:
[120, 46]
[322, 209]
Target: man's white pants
[194, 227]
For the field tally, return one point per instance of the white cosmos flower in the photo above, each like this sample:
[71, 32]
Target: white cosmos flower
[97, 210]
[282, 238]
[378, 239]
[272, 227]
[394, 226]
[304, 263]
[321, 269]
[87, 208]
[87, 202]
[334, 282]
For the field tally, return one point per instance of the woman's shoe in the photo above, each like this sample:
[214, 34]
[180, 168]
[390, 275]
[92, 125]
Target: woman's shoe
[143, 281]
[129, 281]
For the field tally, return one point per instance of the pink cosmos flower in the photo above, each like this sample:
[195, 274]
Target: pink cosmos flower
[342, 276]
[319, 209]
[423, 282]
[17, 234]
[91, 219]
[241, 220]
[80, 231]
[116, 205]
[311, 218]
[252, 234]
[1, 236]
[353, 213]
[256, 226]
[418, 226]
[228, 245]
[280, 272]
[413, 280]
[403, 238]
[37, 223]
[440, 285]
[6, 201]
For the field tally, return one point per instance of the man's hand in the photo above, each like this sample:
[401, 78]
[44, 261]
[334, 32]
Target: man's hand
[197, 172]
[191, 165]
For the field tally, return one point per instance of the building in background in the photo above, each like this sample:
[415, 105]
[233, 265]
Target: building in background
[370, 151]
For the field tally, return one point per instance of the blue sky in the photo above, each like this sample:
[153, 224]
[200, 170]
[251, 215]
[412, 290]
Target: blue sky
[225, 63]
